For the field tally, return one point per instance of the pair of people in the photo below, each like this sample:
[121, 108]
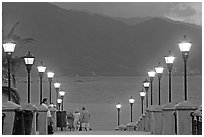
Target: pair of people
[81, 120]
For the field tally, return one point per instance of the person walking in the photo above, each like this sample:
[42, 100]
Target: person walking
[49, 117]
[85, 118]
[76, 120]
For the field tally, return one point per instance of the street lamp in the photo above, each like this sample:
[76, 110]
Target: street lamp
[185, 46]
[131, 101]
[142, 95]
[59, 101]
[151, 75]
[41, 70]
[62, 93]
[146, 86]
[57, 86]
[29, 60]
[159, 70]
[169, 61]
[50, 75]
[9, 48]
[118, 106]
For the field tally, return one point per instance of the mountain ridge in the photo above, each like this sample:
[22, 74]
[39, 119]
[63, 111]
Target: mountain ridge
[80, 43]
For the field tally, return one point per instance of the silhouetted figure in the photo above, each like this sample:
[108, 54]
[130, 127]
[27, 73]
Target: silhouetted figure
[76, 119]
[85, 118]
[49, 118]
[70, 121]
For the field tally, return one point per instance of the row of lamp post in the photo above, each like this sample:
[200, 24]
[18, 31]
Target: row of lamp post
[9, 47]
[118, 106]
[184, 46]
[29, 61]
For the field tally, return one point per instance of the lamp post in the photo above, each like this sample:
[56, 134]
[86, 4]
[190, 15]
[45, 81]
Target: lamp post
[41, 70]
[59, 101]
[50, 75]
[29, 60]
[185, 46]
[146, 86]
[131, 101]
[151, 75]
[9, 48]
[62, 93]
[169, 61]
[142, 95]
[57, 86]
[118, 106]
[159, 70]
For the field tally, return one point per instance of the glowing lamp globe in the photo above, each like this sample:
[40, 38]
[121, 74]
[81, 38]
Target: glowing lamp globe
[9, 47]
[59, 100]
[62, 93]
[185, 45]
[50, 74]
[131, 100]
[142, 93]
[118, 105]
[41, 68]
[169, 59]
[151, 73]
[57, 85]
[29, 59]
[159, 69]
[146, 83]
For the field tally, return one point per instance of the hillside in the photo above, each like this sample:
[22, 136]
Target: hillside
[78, 43]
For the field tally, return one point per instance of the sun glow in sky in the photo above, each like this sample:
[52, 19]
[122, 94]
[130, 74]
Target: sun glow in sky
[190, 12]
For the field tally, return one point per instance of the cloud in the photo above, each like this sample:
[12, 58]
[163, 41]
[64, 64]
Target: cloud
[186, 12]
[190, 12]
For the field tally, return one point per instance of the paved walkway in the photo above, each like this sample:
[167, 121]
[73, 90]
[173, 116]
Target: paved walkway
[101, 133]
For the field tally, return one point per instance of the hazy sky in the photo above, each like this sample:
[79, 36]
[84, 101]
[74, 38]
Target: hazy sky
[185, 11]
